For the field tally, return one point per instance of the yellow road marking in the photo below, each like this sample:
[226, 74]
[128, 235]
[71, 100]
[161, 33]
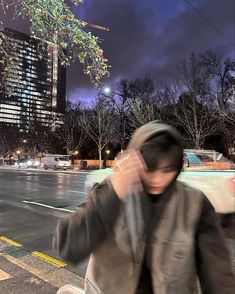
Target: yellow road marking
[49, 259]
[32, 270]
[36, 253]
[9, 241]
[4, 276]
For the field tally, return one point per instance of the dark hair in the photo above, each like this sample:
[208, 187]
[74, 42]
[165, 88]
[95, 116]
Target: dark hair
[162, 147]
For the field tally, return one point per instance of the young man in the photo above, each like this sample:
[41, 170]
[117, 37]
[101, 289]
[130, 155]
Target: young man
[146, 231]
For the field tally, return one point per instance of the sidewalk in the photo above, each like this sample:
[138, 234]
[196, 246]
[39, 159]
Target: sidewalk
[72, 171]
[25, 272]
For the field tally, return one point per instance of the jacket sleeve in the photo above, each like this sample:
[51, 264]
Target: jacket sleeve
[212, 256]
[83, 231]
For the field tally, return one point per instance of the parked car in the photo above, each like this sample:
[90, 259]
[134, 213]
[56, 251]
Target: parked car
[7, 161]
[27, 163]
[206, 159]
[218, 187]
[56, 161]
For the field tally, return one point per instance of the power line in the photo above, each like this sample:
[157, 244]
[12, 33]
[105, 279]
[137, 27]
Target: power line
[210, 23]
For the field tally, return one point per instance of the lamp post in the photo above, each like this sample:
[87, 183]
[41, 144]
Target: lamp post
[18, 153]
[107, 152]
[24, 147]
[76, 154]
[120, 109]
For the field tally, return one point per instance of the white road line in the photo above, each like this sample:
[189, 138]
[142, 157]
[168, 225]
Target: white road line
[48, 206]
[78, 192]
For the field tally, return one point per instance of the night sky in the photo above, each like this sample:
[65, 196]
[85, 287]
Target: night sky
[149, 37]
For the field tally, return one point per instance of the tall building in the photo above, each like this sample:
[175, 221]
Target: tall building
[32, 83]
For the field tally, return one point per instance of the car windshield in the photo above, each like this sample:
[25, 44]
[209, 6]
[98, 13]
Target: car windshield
[63, 159]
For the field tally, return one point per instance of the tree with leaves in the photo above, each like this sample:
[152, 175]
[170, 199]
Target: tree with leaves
[60, 31]
[7, 64]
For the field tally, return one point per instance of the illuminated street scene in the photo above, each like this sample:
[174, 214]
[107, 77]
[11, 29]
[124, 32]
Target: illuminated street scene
[117, 147]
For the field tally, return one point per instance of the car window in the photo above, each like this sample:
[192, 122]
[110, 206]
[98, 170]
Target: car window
[63, 159]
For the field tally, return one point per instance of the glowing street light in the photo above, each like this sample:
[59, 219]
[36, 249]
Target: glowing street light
[120, 109]
[18, 153]
[107, 152]
[107, 90]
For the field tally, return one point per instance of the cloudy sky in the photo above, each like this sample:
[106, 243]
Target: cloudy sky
[149, 36]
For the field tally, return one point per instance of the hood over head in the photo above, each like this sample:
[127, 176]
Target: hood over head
[155, 132]
[150, 130]
[132, 209]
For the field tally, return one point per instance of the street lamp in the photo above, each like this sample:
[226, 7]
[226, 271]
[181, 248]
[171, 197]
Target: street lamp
[107, 152]
[76, 154]
[120, 108]
[107, 90]
[18, 153]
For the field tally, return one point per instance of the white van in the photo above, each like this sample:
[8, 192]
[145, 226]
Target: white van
[56, 161]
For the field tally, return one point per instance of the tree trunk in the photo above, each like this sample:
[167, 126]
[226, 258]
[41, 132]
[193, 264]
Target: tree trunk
[67, 150]
[34, 151]
[100, 157]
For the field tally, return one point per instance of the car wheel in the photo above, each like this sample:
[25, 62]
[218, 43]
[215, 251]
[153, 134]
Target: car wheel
[45, 167]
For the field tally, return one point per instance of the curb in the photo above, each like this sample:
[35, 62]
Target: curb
[42, 256]
[46, 268]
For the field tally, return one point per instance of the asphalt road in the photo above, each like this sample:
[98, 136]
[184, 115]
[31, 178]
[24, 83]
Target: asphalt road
[31, 202]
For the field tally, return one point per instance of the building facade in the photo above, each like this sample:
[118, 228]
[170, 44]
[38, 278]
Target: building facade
[32, 83]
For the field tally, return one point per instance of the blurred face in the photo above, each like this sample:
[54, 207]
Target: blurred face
[157, 181]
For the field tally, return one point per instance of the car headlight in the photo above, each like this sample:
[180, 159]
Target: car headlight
[61, 164]
[37, 163]
[29, 162]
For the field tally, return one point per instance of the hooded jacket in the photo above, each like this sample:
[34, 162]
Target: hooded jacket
[112, 231]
